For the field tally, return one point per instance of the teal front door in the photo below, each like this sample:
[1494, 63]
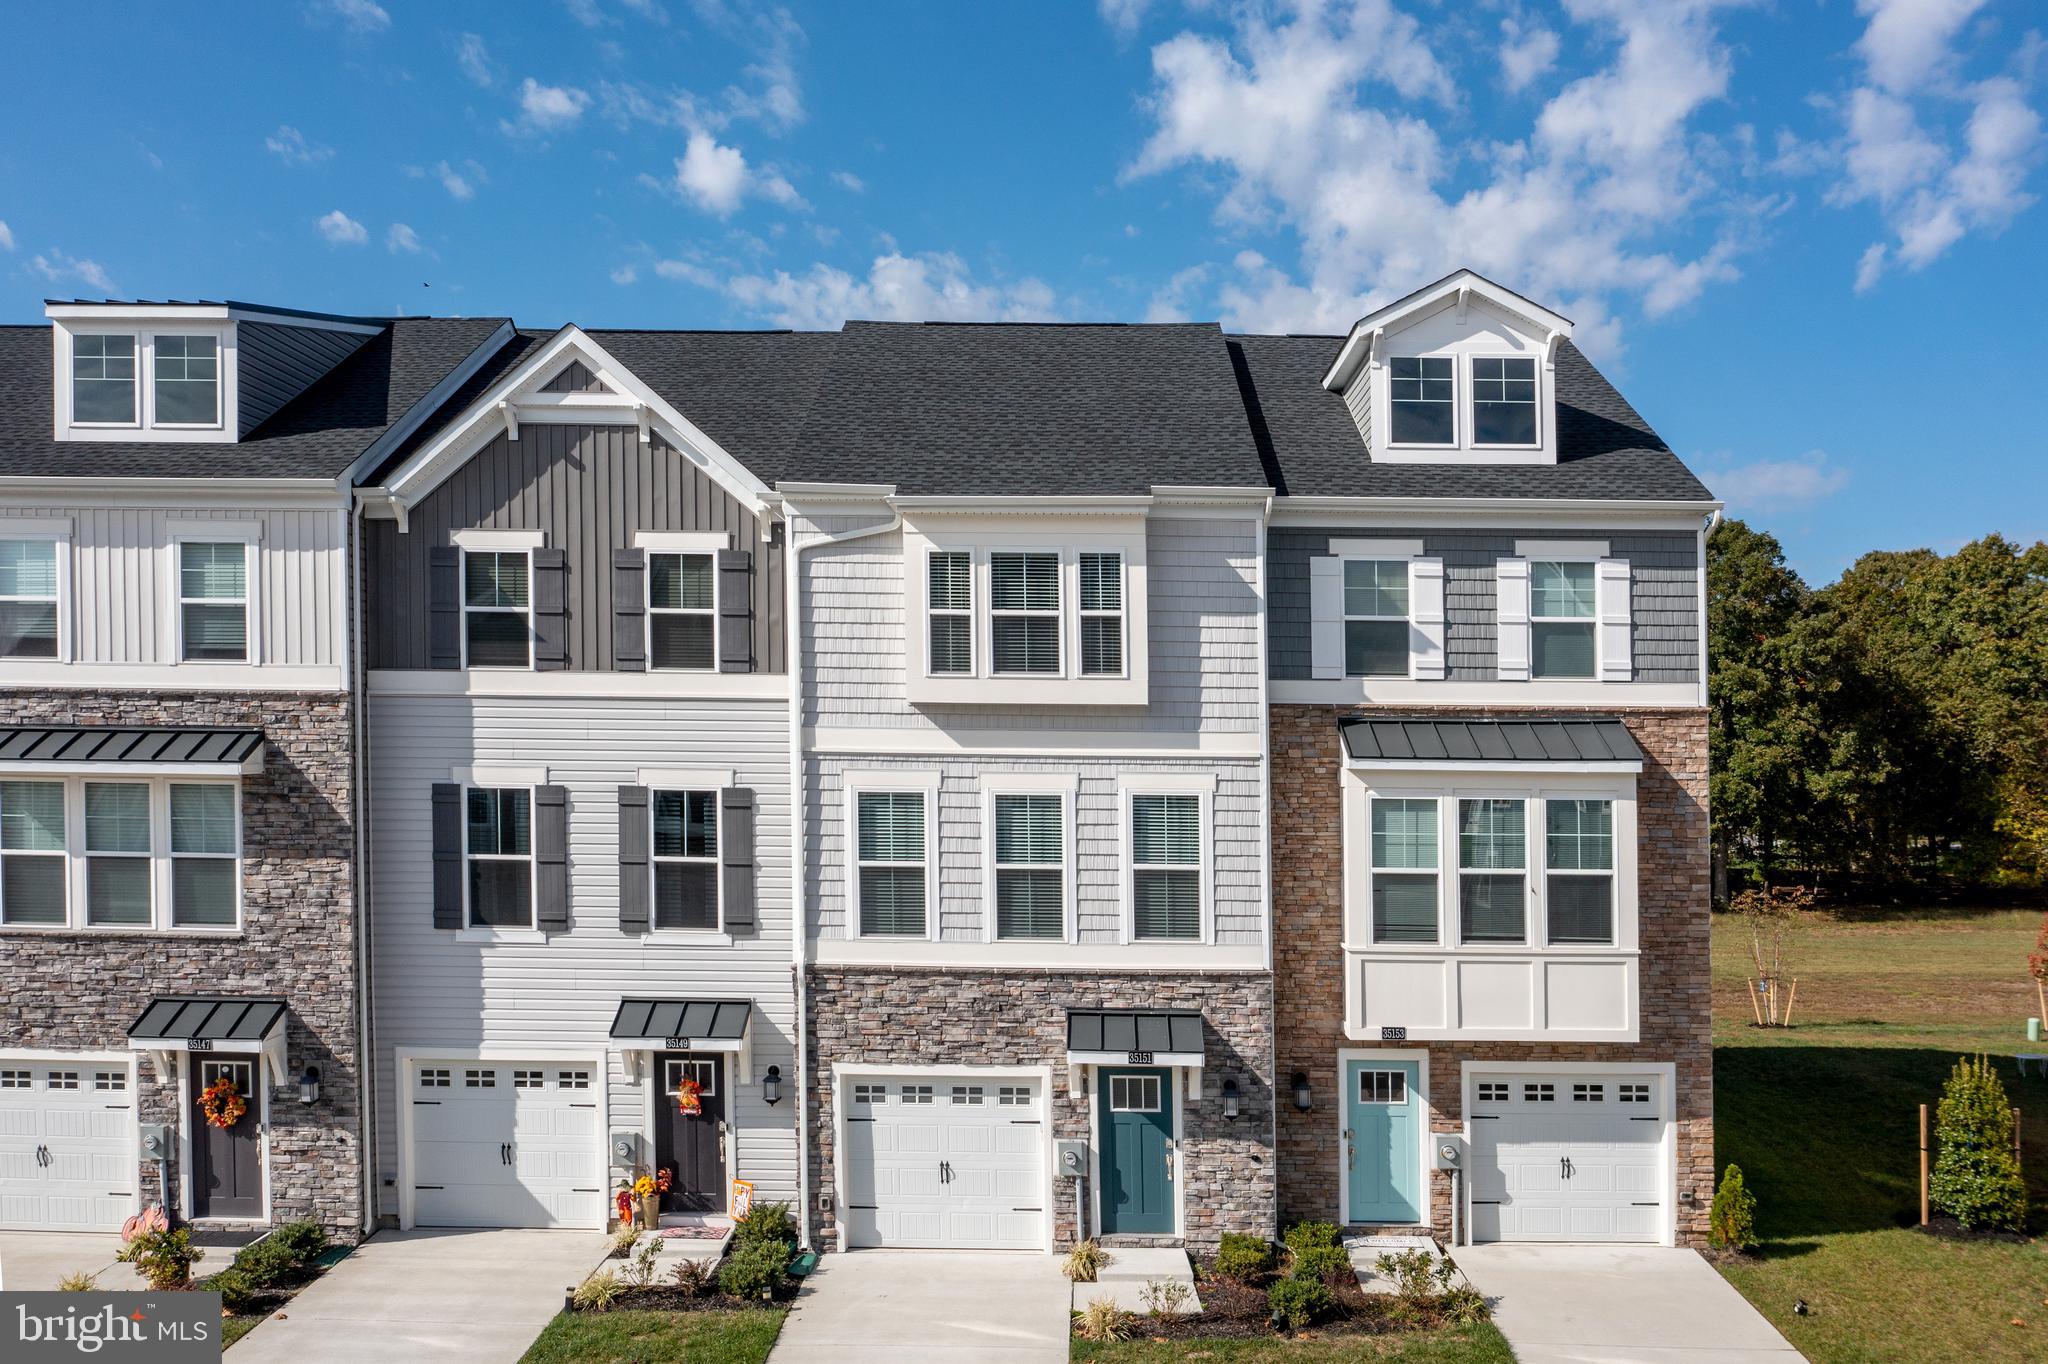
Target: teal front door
[1137, 1152]
[1383, 1124]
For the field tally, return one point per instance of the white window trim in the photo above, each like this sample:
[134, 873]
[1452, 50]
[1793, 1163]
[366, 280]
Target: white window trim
[145, 429]
[462, 588]
[716, 932]
[1555, 554]
[250, 535]
[923, 784]
[499, 540]
[1454, 857]
[651, 611]
[1459, 389]
[1611, 875]
[1066, 628]
[1199, 785]
[1407, 618]
[973, 645]
[682, 541]
[1122, 615]
[1066, 786]
[473, 931]
[1372, 868]
[1471, 403]
[58, 533]
[219, 379]
[161, 860]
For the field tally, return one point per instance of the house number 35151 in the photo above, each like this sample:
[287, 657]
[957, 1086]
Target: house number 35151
[1140, 1058]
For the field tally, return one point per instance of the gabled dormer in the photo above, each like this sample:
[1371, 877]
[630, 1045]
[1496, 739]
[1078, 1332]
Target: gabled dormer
[1461, 372]
[186, 373]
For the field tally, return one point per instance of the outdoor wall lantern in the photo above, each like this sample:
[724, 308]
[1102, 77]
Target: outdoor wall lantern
[1229, 1097]
[309, 1086]
[1302, 1098]
[771, 1086]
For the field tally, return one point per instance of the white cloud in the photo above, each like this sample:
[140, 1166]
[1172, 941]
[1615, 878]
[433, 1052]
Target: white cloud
[6, 236]
[585, 12]
[1526, 53]
[936, 286]
[625, 274]
[849, 182]
[1908, 41]
[717, 179]
[460, 184]
[647, 9]
[771, 94]
[1776, 484]
[475, 60]
[57, 267]
[1123, 15]
[402, 238]
[341, 230]
[360, 16]
[291, 147]
[1172, 301]
[547, 108]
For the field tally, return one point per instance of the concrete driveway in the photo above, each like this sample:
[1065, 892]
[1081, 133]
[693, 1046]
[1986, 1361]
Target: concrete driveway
[420, 1296]
[33, 1261]
[1619, 1305]
[910, 1307]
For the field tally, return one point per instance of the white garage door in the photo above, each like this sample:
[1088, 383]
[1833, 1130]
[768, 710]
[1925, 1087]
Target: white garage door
[944, 1161]
[507, 1144]
[1563, 1157]
[67, 1146]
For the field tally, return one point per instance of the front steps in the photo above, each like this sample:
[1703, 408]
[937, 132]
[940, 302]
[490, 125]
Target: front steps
[1365, 1252]
[1130, 1268]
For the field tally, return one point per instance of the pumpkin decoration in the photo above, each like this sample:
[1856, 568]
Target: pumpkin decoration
[689, 1097]
[222, 1104]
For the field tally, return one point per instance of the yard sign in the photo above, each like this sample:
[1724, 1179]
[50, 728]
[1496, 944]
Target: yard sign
[742, 1199]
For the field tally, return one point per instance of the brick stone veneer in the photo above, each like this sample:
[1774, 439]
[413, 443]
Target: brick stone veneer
[925, 1017]
[81, 990]
[1308, 914]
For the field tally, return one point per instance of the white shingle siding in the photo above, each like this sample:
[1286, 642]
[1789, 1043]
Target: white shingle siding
[432, 990]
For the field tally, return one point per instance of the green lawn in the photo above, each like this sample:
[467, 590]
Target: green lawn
[737, 1337]
[1822, 1118]
[1457, 1345]
[233, 1329]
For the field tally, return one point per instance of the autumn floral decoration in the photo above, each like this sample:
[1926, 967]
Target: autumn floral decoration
[222, 1103]
[689, 1097]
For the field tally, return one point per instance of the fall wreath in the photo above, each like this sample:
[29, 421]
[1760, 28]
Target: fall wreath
[689, 1097]
[222, 1103]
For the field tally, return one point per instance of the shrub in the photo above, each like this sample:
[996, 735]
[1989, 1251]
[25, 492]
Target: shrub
[1466, 1305]
[1302, 1235]
[623, 1241]
[307, 1241]
[1417, 1275]
[1324, 1264]
[1297, 1303]
[759, 1270]
[238, 1292]
[641, 1272]
[598, 1292]
[163, 1256]
[1102, 1320]
[694, 1277]
[268, 1263]
[1731, 1221]
[1243, 1257]
[1085, 1261]
[766, 1222]
[79, 1282]
[1976, 1175]
[1164, 1297]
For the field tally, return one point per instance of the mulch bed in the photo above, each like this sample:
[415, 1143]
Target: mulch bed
[1948, 1229]
[1240, 1311]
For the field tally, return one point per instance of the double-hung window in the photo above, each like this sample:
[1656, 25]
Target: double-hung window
[1404, 870]
[1561, 618]
[1166, 867]
[117, 854]
[81, 852]
[1579, 861]
[1024, 611]
[497, 618]
[1030, 865]
[685, 859]
[1493, 864]
[33, 866]
[1503, 400]
[186, 388]
[1102, 614]
[890, 840]
[205, 846]
[500, 842]
[1422, 393]
[949, 602]
[103, 387]
[681, 611]
[1375, 618]
[28, 598]
[213, 601]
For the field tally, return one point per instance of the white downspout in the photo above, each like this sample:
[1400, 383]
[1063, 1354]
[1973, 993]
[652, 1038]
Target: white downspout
[366, 1056]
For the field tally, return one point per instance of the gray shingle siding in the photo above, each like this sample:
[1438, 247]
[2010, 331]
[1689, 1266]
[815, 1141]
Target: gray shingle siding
[1663, 596]
[275, 364]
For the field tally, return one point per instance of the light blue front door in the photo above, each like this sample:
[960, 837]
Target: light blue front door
[1383, 1119]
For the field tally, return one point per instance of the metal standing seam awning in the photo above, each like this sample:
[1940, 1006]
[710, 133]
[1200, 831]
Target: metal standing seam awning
[220, 1024]
[137, 749]
[1589, 743]
[642, 1026]
[1135, 1037]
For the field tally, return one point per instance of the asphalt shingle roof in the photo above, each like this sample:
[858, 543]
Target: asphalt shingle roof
[315, 435]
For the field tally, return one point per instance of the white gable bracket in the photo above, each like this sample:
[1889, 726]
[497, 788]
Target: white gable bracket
[1551, 345]
[511, 416]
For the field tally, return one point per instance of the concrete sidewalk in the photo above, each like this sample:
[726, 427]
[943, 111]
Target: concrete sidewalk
[924, 1307]
[1565, 1304]
[33, 1261]
[479, 1297]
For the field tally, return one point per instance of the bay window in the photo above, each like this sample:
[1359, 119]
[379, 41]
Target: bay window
[1404, 870]
[205, 843]
[1493, 862]
[32, 853]
[138, 854]
[1579, 855]
[117, 889]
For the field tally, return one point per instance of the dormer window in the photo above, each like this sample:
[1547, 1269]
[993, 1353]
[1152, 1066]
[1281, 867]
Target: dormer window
[103, 380]
[187, 378]
[1503, 400]
[1024, 608]
[1423, 394]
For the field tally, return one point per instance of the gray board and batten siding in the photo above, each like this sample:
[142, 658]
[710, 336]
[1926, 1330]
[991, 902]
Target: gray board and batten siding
[1663, 596]
[590, 489]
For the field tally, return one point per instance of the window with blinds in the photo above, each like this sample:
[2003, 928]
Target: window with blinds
[1404, 870]
[1024, 611]
[1030, 866]
[1561, 619]
[32, 853]
[213, 601]
[680, 612]
[28, 598]
[1493, 862]
[1579, 861]
[685, 858]
[205, 845]
[1166, 857]
[1102, 615]
[496, 616]
[1375, 617]
[949, 585]
[117, 854]
[890, 863]
[500, 842]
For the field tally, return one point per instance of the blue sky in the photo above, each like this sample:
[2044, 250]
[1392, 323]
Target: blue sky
[1802, 235]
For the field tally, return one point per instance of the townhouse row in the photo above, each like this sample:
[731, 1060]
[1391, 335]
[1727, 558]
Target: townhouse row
[982, 784]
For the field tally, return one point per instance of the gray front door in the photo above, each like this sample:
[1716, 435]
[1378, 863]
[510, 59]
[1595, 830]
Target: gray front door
[692, 1144]
[227, 1163]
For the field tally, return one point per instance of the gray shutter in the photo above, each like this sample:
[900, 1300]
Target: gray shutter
[551, 858]
[550, 610]
[736, 853]
[735, 611]
[629, 610]
[447, 855]
[634, 890]
[444, 607]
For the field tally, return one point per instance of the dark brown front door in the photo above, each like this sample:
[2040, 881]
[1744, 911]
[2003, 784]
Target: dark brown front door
[692, 1144]
[227, 1163]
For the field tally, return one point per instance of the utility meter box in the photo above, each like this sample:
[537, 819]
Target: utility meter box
[625, 1149]
[1073, 1157]
[1447, 1150]
[156, 1141]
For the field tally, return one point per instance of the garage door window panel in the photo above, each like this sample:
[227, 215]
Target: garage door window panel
[1493, 861]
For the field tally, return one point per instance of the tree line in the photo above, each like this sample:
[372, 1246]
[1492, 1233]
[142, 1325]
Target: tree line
[1886, 734]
